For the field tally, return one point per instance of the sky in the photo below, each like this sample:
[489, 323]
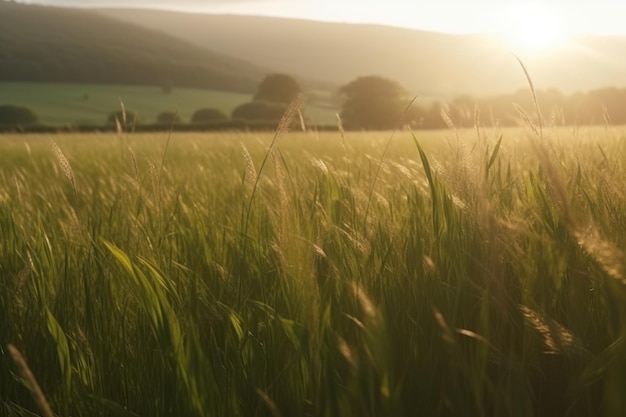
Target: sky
[547, 19]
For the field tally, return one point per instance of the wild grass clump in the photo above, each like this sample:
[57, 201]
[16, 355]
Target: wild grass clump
[458, 272]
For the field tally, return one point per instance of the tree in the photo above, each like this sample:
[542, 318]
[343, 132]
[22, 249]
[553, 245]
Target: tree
[168, 117]
[372, 102]
[277, 88]
[259, 111]
[208, 115]
[16, 116]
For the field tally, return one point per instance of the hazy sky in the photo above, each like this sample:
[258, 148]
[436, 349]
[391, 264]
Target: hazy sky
[456, 16]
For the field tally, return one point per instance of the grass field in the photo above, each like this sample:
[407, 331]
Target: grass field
[469, 273]
[91, 104]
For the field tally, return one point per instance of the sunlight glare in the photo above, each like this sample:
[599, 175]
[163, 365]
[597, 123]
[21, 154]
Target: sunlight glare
[533, 27]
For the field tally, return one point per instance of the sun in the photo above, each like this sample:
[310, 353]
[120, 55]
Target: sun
[533, 27]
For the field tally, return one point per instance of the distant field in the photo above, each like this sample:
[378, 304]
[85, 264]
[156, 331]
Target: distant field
[333, 275]
[90, 104]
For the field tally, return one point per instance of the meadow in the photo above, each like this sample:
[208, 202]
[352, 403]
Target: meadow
[473, 272]
[91, 104]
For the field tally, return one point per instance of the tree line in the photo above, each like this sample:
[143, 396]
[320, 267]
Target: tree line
[377, 103]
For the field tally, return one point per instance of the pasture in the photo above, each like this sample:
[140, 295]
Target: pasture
[91, 104]
[473, 272]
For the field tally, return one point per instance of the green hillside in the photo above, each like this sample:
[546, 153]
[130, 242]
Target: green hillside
[49, 44]
[90, 104]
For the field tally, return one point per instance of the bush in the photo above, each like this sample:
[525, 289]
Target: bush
[278, 88]
[16, 116]
[372, 102]
[169, 117]
[259, 111]
[208, 115]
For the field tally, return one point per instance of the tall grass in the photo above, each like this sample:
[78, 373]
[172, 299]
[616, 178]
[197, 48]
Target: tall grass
[199, 285]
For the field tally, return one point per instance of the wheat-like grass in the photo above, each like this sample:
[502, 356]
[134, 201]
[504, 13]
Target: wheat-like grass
[397, 126]
[283, 127]
[64, 164]
[292, 110]
[607, 254]
[534, 94]
[324, 316]
[342, 131]
[250, 169]
[134, 161]
[555, 336]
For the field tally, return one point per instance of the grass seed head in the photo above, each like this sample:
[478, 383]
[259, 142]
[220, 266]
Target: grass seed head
[64, 164]
[250, 169]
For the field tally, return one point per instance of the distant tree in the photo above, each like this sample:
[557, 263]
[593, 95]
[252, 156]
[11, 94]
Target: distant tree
[433, 118]
[16, 116]
[277, 88]
[415, 116]
[168, 117]
[259, 111]
[126, 118]
[372, 102]
[208, 115]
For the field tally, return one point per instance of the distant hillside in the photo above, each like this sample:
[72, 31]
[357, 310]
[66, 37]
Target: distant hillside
[430, 64]
[48, 44]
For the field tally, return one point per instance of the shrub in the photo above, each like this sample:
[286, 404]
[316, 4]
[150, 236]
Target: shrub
[259, 111]
[372, 102]
[16, 116]
[208, 115]
[277, 88]
[169, 117]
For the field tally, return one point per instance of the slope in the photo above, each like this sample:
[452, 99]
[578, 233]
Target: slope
[428, 64]
[49, 44]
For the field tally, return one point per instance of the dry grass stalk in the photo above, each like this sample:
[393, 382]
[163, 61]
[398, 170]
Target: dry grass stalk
[446, 334]
[64, 164]
[555, 336]
[123, 111]
[397, 126]
[445, 116]
[283, 127]
[542, 151]
[118, 126]
[294, 108]
[302, 123]
[342, 132]
[608, 256]
[534, 94]
[134, 160]
[283, 199]
[366, 304]
[271, 405]
[346, 352]
[250, 169]
[29, 378]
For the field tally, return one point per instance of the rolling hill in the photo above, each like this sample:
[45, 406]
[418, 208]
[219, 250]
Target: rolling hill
[78, 104]
[428, 64]
[50, 44]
